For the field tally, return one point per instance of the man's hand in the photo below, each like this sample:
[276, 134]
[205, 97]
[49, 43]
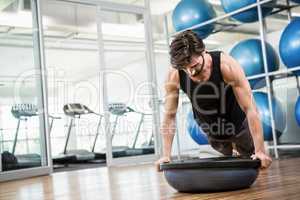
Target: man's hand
[264, 159]
[164, 159]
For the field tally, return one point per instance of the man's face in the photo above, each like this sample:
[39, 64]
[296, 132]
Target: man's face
[196, 67]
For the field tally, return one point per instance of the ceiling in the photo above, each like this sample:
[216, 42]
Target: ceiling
[74, 21]
[70, 31]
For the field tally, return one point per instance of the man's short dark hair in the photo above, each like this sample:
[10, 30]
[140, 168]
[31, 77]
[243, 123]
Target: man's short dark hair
[183, 47]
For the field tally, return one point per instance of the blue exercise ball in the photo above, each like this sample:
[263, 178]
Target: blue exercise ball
[261, 100]
[195, 130]
[297, 111]
[246, 16]
[248, 54]
[296, 1]
[289, 45]
[189, 13]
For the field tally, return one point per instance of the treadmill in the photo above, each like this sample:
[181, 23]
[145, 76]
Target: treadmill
[61, 159]
[120, 109]
[21, 112]
[76, 110]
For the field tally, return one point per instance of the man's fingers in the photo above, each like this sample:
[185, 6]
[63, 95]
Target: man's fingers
[157, 164]
[265, 163]
[162, 160]
[264, 159]
[158, 168]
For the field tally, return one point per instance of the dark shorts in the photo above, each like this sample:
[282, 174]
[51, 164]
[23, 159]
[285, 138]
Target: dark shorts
[242, 141]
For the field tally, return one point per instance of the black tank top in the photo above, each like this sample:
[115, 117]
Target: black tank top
[214, 105]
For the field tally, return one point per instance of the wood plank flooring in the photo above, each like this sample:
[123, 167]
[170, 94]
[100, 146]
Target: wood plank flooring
[281, 181]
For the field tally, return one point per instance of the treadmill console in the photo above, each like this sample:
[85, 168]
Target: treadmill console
[119, 108]
[76, 109]
[24, 110]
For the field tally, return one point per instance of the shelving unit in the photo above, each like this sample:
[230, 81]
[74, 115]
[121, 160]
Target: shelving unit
[220, 26]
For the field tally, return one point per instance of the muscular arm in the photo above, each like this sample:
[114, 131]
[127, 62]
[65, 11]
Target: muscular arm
[234, 75]
[171, 102]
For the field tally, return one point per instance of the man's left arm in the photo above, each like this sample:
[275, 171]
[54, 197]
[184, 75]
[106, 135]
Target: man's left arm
[234, 75]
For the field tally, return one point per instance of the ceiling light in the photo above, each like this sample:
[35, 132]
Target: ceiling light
[215, 2]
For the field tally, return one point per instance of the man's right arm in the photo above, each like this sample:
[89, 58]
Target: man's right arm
[169, 120]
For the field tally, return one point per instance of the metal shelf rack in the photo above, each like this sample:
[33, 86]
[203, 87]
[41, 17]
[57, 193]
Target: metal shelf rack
[221, 25]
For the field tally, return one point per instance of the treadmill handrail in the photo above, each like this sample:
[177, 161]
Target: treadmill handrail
[97, 133]
[77, 109]
[22, 112]
[73, 113]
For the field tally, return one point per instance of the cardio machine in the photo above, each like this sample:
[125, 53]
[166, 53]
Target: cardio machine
[76, 110]
[61, 159]
[120, 109]
[10, 160]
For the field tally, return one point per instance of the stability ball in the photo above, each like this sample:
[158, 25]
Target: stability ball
[297, 111]
[192, 12]
[211, 174]
[261, 100]
[296, 1]
[246, 16]
[249, 55]
[289, 45]
[195, 130]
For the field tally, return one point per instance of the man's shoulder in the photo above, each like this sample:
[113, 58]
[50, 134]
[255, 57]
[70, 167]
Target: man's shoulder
[224, 57]
[173, 75]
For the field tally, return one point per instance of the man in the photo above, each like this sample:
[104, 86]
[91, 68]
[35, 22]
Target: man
[221, 99]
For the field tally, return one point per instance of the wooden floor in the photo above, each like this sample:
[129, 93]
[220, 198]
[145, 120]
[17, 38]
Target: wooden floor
[281, 181]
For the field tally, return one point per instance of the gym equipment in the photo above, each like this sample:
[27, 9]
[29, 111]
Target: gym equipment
[289, 45]
[297, 111]
[261, 100]
[247, 16]
[76, 110]
[10, 160]
[211, 174]
[195, 130]
[63, 159]
[248, 54]
[296, 1]
[120, 109]
[192, 12]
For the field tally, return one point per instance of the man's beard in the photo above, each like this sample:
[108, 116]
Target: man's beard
[196, 71]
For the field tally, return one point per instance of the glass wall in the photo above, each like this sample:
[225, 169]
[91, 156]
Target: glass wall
[71, 51]
[128, 89]
[70, 37]
[22, 127]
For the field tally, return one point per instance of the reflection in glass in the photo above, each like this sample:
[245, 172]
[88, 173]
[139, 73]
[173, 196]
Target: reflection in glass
[20, 113]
